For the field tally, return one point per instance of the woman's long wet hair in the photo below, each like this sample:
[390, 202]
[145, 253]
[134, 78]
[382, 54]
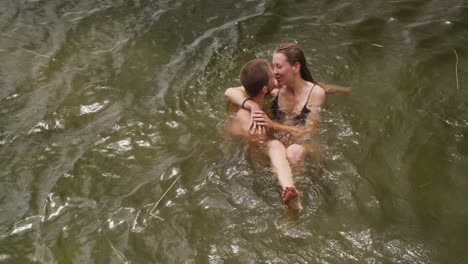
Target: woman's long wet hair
[294, 53]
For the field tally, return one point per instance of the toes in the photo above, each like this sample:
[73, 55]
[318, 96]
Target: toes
[289, 193]
[285, 192]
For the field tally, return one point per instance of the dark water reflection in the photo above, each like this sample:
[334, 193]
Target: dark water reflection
[105, 104]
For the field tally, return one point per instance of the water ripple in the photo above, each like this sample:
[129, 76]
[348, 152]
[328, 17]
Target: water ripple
[104, 104]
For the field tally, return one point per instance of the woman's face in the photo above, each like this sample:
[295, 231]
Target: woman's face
[282, 69]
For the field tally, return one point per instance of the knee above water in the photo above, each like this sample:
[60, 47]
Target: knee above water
[294, 151]
[276, 145]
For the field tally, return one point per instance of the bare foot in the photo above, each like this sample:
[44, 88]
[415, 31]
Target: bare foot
[291, 198]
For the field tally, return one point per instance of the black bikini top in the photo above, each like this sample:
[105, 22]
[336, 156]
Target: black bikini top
[299, 119]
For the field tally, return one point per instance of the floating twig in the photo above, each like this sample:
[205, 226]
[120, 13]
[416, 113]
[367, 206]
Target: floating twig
[424, 185]
[377, 45]
[3, 34]
[162, 197]
[119, 254]
[158, 217]
[37, 54]
[42, 65]
[456, 66]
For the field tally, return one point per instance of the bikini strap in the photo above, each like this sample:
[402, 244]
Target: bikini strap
[309, 95]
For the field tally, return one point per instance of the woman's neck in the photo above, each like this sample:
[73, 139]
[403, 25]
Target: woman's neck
[297, 86]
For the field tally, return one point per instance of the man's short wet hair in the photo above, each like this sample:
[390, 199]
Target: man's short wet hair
[254, 76]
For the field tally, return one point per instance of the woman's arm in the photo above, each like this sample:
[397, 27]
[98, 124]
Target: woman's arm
[335, 89]
[237, 96]
[315, 104]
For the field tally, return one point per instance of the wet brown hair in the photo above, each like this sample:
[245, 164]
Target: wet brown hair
[294, 53]
[254, 76]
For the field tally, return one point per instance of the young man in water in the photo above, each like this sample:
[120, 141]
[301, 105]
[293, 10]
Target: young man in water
[258, 80]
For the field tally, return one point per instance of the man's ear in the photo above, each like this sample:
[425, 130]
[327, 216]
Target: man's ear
[265, 89]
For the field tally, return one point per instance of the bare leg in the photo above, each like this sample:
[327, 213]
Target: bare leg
[282, 170]
[295, 154]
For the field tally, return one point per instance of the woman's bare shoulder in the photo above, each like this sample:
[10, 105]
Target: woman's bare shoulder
[318, 89]
[318, 95]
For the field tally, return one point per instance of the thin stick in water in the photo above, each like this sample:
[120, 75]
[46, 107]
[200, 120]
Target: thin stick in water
[35, 53]
[456, 66]
[42, 65]
[157, 217]
[160, 199]
[119, 254]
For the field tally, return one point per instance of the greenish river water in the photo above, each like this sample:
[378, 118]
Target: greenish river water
[105, 104]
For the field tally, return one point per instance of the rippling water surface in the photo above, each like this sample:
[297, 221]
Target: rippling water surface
[106, 105]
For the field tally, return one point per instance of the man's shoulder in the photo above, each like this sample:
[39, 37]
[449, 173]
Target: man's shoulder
[239, 122]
